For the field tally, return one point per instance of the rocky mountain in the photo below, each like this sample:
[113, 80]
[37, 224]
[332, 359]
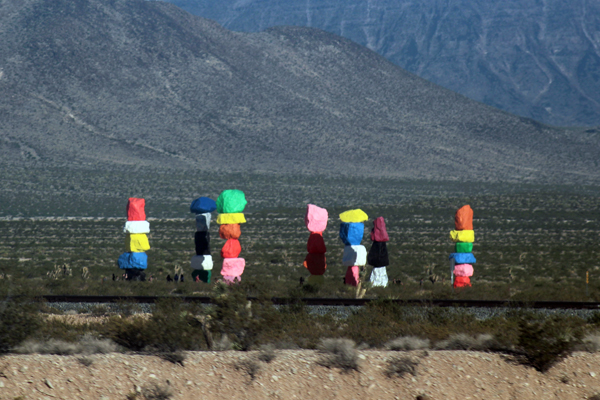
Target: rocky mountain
[137, 83]
[538, 59]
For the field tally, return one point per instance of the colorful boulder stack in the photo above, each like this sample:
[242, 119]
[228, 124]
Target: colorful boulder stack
[352, 229]
[202, 262]
[135, 260]
[462, 260]
[230, 205]
[378, 255]
[316, 263]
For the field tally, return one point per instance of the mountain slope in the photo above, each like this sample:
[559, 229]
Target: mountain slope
[538, 59]
[147, 84]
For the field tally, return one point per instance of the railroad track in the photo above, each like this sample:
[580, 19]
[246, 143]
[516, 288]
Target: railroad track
[312, 301]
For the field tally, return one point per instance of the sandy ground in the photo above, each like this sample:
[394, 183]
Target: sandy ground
[295, 374]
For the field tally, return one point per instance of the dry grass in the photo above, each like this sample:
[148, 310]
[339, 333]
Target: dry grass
[267, 353]
[590, 343]
[339, 353]
[463, 341]
[86, 345]
[407, 343]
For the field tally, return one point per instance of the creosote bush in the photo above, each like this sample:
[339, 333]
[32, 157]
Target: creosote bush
[544, 343]
[339, 353]
[19, 319]
[173, 326]
[248, 324]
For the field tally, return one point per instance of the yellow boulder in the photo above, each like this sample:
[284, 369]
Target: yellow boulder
[137, 242]
[357, 215]
[465, 236]
[234, 218]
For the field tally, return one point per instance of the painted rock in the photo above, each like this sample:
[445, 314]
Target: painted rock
[379, 231]
[233, 266]
[316, 218]
[316, 244]
[135, 209]
[202, 262]
[231, 201]
[463, 220]
[354, 255]
[231, 249]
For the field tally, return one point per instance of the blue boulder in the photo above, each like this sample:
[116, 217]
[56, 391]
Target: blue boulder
[133, 261]
[352, 233]
[463, 258]
[203, 205]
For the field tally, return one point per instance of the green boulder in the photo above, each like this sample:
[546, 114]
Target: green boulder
[231, 201]
[464, 247]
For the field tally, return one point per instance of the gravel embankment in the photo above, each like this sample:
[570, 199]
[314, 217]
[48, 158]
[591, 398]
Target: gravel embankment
[295, 374]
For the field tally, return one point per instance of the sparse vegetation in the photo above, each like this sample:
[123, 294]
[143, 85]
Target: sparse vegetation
[544, 343]
[157, 392]
[86, 361]
[267, 353]
[407, 343]
[400, 366]
[249, 366]
[590, 343]
[85, 345]
[18, 321]
[520, 247]
[175, 357]
[339, 353]
[522, 255]
[462, 341]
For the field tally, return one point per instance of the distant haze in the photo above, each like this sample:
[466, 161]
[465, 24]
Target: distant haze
[146, 84]
[538, 59]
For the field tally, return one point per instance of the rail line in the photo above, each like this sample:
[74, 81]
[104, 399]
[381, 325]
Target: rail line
[313, 301]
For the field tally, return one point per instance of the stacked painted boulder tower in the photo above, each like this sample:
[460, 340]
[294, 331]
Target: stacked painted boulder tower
[378, 256]
[316, 262]
[135, 260]
[352, 230]
[230, 205]
[462, 260]
[202, 262]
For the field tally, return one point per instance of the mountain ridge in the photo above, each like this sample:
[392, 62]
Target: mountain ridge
[535, 59]
[136, 83]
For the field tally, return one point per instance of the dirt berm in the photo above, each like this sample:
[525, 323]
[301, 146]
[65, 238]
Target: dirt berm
[293, 374]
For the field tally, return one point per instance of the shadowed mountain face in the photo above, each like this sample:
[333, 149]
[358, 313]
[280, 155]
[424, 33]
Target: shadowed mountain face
[538, 59]
[130, 82]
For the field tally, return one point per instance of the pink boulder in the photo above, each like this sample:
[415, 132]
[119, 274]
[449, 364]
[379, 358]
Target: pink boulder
[463, 270]
[233, 266]
[316, 218]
